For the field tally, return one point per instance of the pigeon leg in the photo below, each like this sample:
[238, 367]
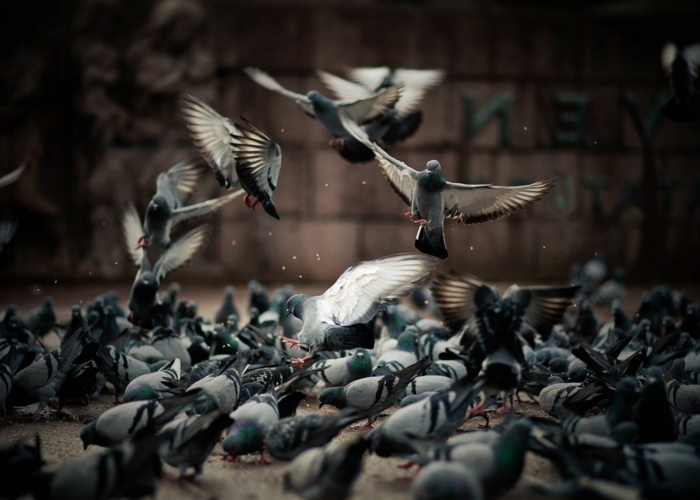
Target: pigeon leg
[421, 222]
[407, 465]
[142, 242]
[336, 143]
[231, 458]
[262, 460]
[409, 215]
[365, 427]
[35, 415]
[487, 425]
[292, 342]
[300, 361]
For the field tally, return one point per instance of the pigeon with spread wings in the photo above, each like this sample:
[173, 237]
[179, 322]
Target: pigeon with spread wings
[682, 67]
[432, 198]
[360, 110]
[337, 319]
[398, 124]
[143, 301]
[236, 153]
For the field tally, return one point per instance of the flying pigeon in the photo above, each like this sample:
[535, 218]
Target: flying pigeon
[337, 319]
[681, 67]
[236, 153]
[432, 198]
[359, 110]
[166, 210]
[328, 472]
[399, 123]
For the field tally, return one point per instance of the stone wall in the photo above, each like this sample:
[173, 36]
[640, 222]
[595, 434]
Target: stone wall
[94, 95]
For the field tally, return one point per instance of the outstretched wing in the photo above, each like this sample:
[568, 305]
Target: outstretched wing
[183, 177]
[370, 108]
[181, 251]
[371, 78]
[401, 177]
[416, 83]
[265, 80]
[13, 176]
[211, 133]
[343, 89]
[484, 203]
[457, 296]
[180, 215]
[259, 160]
[545, 305]
[356, 295]
[132, 231]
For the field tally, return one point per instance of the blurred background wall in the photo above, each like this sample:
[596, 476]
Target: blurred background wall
[91, 90]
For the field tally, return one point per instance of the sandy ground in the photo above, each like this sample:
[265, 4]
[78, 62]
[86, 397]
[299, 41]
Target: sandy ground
[381, 478]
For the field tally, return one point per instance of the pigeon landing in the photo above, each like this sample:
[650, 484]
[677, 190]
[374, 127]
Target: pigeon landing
[337, 319]
[432, 198]
[682, 68]
[359, 110]
[236, 153]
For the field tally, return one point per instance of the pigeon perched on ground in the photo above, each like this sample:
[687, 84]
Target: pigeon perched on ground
[221, 389]
[327, 472]
[236, 153]
[342, 371]
[327, 111]
[120, 369]
[432, 198]
[291, 436]
[399, 123]
[147, 386]
[129, 470]
[228, 306]
[42, 319]
[681, 67]
[128, 419]
[337, 319]
[144, 292]
[446, 481]
[166, 210]
[8, 367]
[252, 420]
[402, 356]
[189, 441]
[373, 394]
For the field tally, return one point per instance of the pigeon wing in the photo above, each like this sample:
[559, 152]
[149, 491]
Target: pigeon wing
[373, 107]
[13, 176]
[457, 296]
[183, 214]
[692, 55]
[183, 177]
[547, 305]
[265, 80]
[181, 252]
[211, 133]
[132, 231]
[371, 78]
[416, 83]
[401, 177]
[356, 295]
[259, 162]
[483, 203]
[343, 89]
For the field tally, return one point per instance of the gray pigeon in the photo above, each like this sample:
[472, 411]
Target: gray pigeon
[432, 419]
[8, 366]
[171, 346]
[402, 356]
[432, 198]
[327, 111]
[189, 441]
[222, 389]
[682, 68]
[129, 419]
[373, 395]
[342, 371]
[228, 307]
[428, 383]
[166, 210]
[41, 380]
[328, 472]
[144, 292]
[252, 420]
[337, 319]
[129, 470]
[147, 386]
[236, 153]
[446, 481]
[291, 436]
[119, 369]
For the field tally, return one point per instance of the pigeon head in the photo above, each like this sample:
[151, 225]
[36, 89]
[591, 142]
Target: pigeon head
[89, 434]
[360, 362]
[407, 340]
[314, 95]
[433, 166]
[242, 438]
[332, 396]
[158, 208]
[511, 452]
[295, 305]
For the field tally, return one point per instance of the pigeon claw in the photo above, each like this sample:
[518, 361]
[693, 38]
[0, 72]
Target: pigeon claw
[407, 465]
[142, 242]
[336, 143]
[292, 342]
[231, 458]
[420, 222]
[262, 460]
[250, 204]
[298, 361]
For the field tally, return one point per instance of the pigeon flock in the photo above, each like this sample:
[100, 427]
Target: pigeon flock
[405, 359]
